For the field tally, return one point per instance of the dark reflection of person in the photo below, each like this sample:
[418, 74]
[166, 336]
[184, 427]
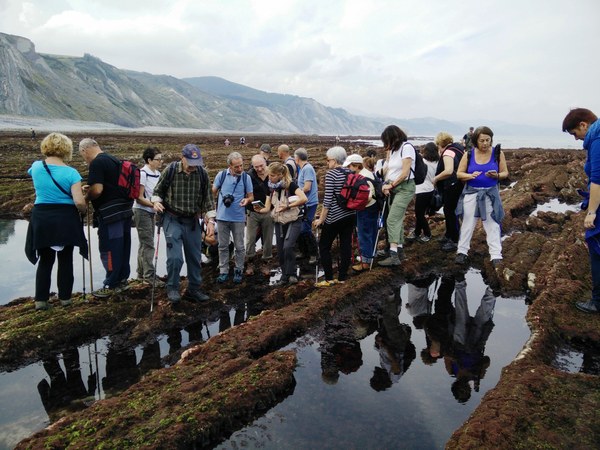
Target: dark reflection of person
[7, 229]
[174, 340]
[438, 326]
[418, 304]
[150, 357]
[340, 349]
[121, 369]
[467, 362]
[224, 321]
[66, 387]
[396, 351]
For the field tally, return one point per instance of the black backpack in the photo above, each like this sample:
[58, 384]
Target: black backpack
[420, 172]
[459, 151]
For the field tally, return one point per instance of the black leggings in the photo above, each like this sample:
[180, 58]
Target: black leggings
[451, 196]
[64, 274]
[422, 202]
[342, 228]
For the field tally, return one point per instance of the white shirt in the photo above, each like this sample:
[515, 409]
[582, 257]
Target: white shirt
[393, 166]
[148, 179]
[427, 185]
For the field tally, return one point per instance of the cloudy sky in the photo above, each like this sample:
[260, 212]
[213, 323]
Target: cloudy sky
[520, 61]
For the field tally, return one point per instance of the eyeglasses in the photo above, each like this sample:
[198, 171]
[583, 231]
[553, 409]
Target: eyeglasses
[156, 159]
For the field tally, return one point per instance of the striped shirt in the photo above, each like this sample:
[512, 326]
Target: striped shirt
[185, 196]
[334, 181]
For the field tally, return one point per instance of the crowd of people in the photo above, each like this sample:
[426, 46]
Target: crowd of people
[277, 198]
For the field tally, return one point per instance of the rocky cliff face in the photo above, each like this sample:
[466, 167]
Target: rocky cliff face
[86, 88]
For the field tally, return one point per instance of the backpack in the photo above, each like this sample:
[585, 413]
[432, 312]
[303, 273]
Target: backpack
[129, 179]
[459, 151]
[378, 186]
[355, 193]
[172, 167]
[420, 172]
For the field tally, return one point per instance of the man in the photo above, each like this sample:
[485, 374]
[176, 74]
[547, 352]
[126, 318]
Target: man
[283, 151]
[584, 126]
[467, 141]
[260, 186]
[307, 181]
[183, 195]
[112, 214]
[265, 152]
[235, 191]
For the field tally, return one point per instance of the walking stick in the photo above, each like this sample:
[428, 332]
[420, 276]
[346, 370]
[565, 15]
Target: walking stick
[90, 251]
[318, 256]
[83, 264]
[379, 227]
[159, 223]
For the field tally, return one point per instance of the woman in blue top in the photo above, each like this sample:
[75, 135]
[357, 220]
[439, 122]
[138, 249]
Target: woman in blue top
[584, 126]
[55, 226]
[481, 169]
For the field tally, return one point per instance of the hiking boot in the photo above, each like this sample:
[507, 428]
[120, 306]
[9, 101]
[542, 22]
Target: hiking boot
[222, 278]
[461, 258]
[442, 239]
[325, 283]
[68, 302]
[196, 296]
[173, 296]
[411, 236]
[449, 246]
[383, 253]
[589, 307]
[237, 276]
[392, 260]
[42, 306]
[122, 287]
[292, 279]
[496, 262]
[282, 281]
[424, 239]
[103, 292]
[312, 260]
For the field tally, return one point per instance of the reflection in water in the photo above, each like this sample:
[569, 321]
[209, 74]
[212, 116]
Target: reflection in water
[7, 229]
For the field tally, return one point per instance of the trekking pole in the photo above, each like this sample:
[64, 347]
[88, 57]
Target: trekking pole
[90, 251]
[159, 223]
[379, 227]
[318, 256]
[83, 264]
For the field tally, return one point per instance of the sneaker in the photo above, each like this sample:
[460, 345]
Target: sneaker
[222, 278]
[411, 236]
[122, 287]
[237, 276]
[42, 306]
[292, 279]
[442, 239]
[68, 302]
[282, 281]
[103, 292]
[173, 296]
[325, 283]
[392, 260]
[496, 262]
[590, 307]
[361, 267]
[312, 260]
[383, 253]
[196, 296]
[424, 239]
[461, 258]
[449, 246]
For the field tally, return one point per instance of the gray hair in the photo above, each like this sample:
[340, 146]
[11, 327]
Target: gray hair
[301, 154]
[338, 153]
[232, 156]
[258, 158]
[87, 143]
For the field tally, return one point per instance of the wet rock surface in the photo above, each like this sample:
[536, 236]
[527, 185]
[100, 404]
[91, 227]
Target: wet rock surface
[534, 404]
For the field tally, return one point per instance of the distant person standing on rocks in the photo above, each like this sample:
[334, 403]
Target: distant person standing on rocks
[584, 126]
[183, 195]
[226, 142]
[144, 215]
[55, 226]
[242, 140]
[32, 134]
[481, 168]
[112, 214]
[467, 141]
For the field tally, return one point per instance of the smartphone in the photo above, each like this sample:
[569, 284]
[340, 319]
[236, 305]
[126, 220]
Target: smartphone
[258, 203]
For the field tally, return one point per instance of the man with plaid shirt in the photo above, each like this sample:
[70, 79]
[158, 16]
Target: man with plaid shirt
[183, 195]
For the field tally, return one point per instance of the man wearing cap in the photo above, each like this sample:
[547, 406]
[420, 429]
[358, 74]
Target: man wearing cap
[283, 151]
[235, 191]
[265, 152]
[112, 214]
[183, 195]
[260, 185]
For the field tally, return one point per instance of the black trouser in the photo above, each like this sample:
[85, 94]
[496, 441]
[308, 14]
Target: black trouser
[451, 196]
[422, 202]
[64, 274]
[342, 228]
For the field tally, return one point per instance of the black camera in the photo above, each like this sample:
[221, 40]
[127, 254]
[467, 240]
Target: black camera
[227, 200]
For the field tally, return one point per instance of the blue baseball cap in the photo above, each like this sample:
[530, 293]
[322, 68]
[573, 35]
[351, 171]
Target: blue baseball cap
[193, 155]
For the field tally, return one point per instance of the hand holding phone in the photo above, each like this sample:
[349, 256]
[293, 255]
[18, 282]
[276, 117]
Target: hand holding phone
[257, 204]
[492, 173]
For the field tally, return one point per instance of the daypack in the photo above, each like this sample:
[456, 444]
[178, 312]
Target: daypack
[355, 193]
[420, 172]
[379, 196]
[128, 184]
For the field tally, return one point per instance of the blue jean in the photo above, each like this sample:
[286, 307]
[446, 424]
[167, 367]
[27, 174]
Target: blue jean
[366, 224]
[595, 265]
[114, 242]
[183, 234]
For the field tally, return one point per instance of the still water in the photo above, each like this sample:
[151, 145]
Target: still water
[405, 374]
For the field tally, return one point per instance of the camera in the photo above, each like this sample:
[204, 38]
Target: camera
[227, 200]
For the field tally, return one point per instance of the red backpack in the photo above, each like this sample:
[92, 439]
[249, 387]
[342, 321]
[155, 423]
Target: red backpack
[129, 179]
[355, 193]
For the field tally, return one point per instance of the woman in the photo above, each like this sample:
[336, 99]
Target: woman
[143, 215]
[334, 220]
[449, 186]
[55, 226]
[583, 125]
[481, 169]
[399, 187]
[287, 200]
[424, 194]
[366, 220]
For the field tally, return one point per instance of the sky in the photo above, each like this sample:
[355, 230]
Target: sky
[517, 61]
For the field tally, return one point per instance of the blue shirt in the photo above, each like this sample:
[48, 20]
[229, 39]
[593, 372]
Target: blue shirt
[307, 173]
[45, 189]
[482, 180]
[238, 187]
